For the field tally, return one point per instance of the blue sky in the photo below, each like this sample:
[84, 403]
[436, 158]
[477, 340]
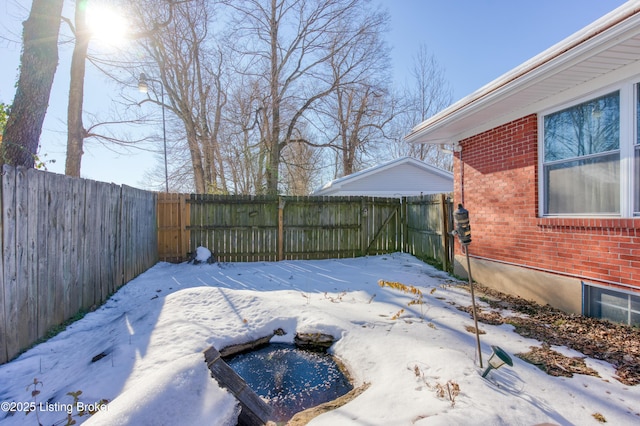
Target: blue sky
[474, 41]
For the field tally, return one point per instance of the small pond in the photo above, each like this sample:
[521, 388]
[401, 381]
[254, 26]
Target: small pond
[290, 379]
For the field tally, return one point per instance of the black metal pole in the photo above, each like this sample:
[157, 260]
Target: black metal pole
[473, 304]
[164, 139]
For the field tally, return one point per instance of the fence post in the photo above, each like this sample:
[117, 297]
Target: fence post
[281, 204]
[443, 227]
[185, 222]
[404, 224]
[364, 227]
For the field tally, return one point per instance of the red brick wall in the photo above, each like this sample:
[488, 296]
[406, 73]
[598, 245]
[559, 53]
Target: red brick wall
[499, 169]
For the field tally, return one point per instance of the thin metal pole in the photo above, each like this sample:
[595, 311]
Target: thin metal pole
[473, 304]
[164, 139]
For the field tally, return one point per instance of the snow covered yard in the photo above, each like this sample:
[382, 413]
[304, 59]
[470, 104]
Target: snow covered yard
[143, 350]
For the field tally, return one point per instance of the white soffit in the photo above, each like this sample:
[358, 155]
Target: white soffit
[609, 44]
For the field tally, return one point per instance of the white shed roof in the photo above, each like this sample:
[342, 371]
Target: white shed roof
[401, 177]
[608, 47]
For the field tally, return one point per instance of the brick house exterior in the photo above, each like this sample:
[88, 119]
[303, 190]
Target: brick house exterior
[506, 176]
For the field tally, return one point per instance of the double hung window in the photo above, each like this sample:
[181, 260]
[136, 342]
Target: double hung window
[590, 156]
[582, 158]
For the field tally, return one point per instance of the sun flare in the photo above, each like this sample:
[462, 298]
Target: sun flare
[106, 25]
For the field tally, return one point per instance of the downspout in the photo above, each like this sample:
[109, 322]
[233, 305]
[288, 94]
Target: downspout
[461, 178]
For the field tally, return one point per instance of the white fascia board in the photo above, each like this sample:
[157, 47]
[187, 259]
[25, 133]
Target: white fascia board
[387, 194]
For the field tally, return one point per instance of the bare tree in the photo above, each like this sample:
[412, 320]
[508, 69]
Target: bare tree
[191, 71]
[355, 121]
[288, 45]
[427, 93]
[432, 91]
[38, 65]
[302, 163]
[356, 113]
[77, 133]
[75, 128]
[245, 154]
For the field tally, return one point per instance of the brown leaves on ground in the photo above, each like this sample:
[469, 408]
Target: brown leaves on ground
[599, 417]
[472, 329]
[556, 364]
[616, 344]
[449, 390]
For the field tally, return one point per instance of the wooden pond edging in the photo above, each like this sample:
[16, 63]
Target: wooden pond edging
[254, 410]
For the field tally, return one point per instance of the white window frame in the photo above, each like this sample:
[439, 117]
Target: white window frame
[628, 97]
[587, 299]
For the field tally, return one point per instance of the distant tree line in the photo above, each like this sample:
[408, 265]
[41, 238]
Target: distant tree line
[260, 96]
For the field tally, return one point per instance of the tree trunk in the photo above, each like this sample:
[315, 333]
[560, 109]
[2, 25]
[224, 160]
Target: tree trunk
[274, 138]
[37, 69]
[196, 159]
[75, 128]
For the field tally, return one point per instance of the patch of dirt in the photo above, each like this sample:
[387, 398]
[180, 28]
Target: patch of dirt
[616, 344]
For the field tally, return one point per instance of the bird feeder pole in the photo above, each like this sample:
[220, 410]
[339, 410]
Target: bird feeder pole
[463, 231]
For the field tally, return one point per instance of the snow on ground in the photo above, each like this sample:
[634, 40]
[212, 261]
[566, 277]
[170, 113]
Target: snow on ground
[143, 350]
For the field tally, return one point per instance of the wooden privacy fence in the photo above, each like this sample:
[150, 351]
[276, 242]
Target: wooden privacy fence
[429, 222]
[67, 244]
[268, 228]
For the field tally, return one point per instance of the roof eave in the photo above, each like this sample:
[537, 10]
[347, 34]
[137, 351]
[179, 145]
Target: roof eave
[601, 32]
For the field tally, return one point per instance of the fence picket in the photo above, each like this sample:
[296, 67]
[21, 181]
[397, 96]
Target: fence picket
[10, 283]
[37, 249]
[427, 236]
[62, 249]
[3, 330]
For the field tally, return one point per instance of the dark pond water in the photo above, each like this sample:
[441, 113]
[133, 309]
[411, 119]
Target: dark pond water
[289, 378]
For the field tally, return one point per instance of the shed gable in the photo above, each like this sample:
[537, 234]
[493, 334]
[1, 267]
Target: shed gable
[400, 177]
[407, 177]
